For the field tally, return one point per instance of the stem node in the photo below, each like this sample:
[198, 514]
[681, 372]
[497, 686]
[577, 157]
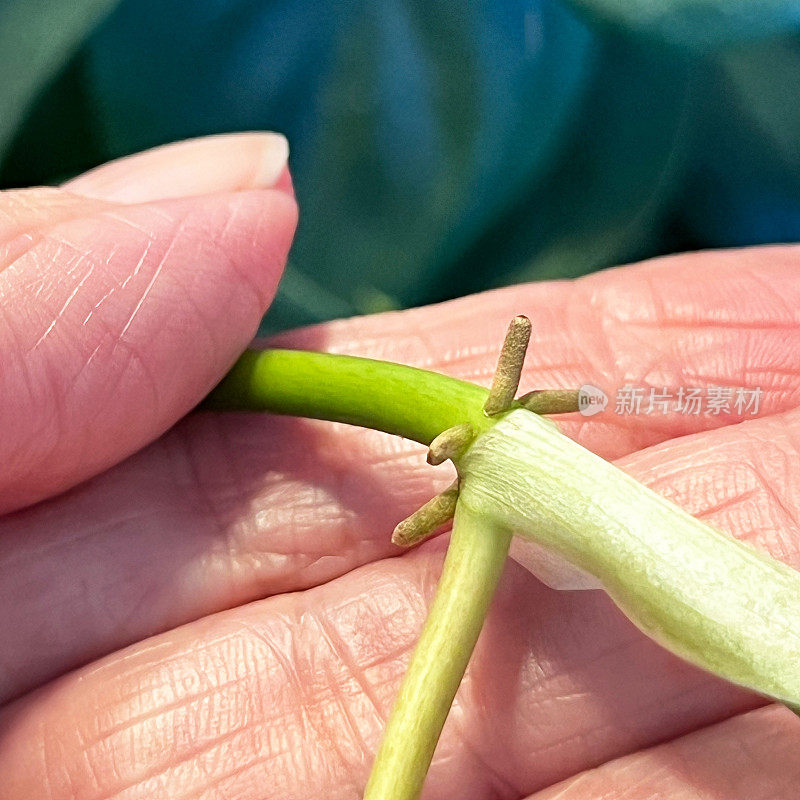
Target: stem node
[450, 443]
[509, 367]
[550, 401]
[424, 522]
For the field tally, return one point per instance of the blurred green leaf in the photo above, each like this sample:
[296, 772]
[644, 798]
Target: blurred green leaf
[758, 78]
[606, 198]
[745, 189]
[303, 301]
[412, 124]
[423, 143]
[36, 39]
[698, 23]
[438, 149]
[58, 138]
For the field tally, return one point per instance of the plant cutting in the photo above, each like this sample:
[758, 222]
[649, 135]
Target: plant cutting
[707, 597]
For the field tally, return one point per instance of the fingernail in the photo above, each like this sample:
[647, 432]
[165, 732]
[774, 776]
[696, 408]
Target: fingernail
[209, 165]
[274, 157]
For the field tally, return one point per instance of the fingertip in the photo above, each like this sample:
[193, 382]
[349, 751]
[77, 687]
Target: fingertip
[285, 183]
[166, 296]
[207, 165]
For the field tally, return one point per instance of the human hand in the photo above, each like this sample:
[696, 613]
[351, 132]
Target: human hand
[267, 540]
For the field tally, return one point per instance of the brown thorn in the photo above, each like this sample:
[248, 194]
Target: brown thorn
[509, 367]
[551, 401]
[424, 522]
[450, 443]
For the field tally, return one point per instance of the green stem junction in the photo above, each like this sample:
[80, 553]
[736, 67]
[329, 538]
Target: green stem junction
[423, 406]
[702, 594]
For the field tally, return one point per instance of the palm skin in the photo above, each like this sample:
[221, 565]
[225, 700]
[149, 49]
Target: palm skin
[222, 615]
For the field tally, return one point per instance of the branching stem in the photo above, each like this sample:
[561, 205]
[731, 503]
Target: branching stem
[471, 571]
[418, 405]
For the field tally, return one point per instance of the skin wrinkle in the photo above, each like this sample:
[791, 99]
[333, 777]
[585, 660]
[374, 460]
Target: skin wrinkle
[784, 374]
[43, 435]
[497, 784]
[67, 302]
[52, 367]
[333, 739]
[17, 353]
[776, 297]
[126, 222]
[262, 248]
[587, 297]
[233, 556]
[692, 325]
[80, 255]
[714, 511]
[579, 735]
[746, 745]
[220, 524]
[204, 319]
[588, 729]
[769, 390]
[260, 244]
[108, 335]
[148, 245]
[770, 488]
[47, 764]
[195, 756]
[758, 442]
[137, 689]
[341, 651]
[307, 702]
[262, 298]
[109, 258]
[196, 703]
[246, 549]
[194, 697]
[304, 704]
[727, 491]
[602, 355]
[163, 259]
[634, 782]
[668, 363]
[37, 217]
[178, 702]
[663, 321]
[661, 367]
[75, 260]
[94, 776]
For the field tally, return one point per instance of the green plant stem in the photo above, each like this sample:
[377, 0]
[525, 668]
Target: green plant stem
[706, 597]
[409, 402]
[471, 571]
[418, 405]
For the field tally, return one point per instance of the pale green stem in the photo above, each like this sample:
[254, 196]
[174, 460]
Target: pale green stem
[709, 599]
[471, 571]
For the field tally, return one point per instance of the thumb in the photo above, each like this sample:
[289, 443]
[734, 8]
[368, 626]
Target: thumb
[127, 294]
